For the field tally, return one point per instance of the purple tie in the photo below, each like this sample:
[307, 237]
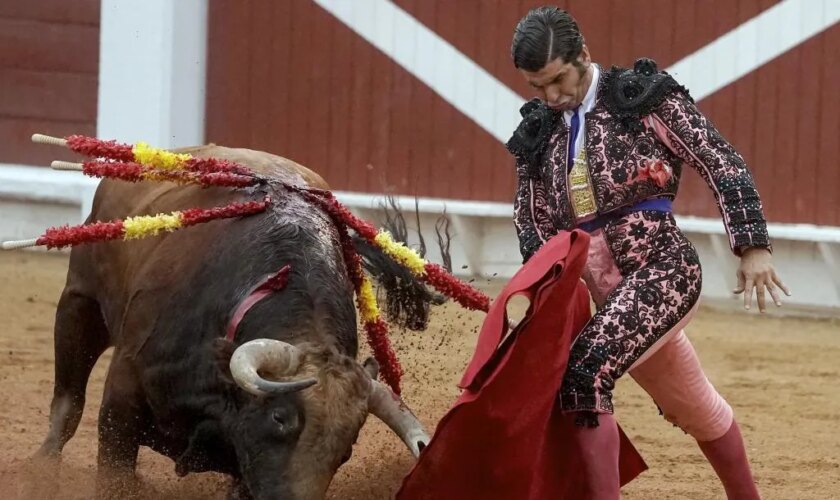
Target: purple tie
[573, 133]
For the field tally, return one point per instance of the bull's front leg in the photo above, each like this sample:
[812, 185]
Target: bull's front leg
[122, 421]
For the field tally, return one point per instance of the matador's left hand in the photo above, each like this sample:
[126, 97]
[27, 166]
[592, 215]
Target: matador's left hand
[756, 271]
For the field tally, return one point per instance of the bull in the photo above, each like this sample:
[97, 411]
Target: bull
[279, 408]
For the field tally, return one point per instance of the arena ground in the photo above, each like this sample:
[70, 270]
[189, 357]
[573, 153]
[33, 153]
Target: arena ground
[781, 375]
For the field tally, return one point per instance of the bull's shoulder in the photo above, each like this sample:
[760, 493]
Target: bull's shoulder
[260, 161]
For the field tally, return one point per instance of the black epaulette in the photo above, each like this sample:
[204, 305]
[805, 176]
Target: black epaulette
[632, 94]
[530, 138]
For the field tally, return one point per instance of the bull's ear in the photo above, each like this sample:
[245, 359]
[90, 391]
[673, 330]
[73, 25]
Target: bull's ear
[371, 366]
[223, 350]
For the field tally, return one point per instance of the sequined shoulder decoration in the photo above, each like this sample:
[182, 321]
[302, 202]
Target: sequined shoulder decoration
[530, 138]
[632, 94]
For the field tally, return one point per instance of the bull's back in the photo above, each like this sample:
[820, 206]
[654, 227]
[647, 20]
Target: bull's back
[124, 274]
[261, 162]
[116, 199]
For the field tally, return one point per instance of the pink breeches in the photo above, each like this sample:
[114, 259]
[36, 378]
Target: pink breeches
[665, 365]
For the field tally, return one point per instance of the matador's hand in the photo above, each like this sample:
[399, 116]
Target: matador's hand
[756, 271]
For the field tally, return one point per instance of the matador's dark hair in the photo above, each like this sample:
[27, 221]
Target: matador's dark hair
[543, 35]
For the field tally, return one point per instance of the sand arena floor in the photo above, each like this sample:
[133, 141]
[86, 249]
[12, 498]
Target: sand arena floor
[780, 374]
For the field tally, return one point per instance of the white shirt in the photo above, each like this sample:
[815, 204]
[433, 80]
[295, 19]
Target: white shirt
[585, 107]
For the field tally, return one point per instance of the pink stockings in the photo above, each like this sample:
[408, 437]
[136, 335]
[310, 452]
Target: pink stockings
[675, 380]
[598, 451]
[729, 459]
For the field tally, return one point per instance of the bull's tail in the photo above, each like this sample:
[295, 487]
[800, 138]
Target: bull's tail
[407, 300]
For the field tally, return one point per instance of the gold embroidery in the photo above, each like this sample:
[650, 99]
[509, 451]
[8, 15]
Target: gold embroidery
[580, 187]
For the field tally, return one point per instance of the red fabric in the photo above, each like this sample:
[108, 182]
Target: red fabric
[503, 438]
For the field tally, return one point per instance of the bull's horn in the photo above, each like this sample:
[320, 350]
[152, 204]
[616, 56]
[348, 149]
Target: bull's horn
[389, 408]
[279, 357]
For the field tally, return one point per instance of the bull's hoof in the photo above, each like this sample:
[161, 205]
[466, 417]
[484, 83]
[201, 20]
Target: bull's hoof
[48, 451]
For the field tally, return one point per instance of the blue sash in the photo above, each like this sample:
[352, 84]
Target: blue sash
[655, 204]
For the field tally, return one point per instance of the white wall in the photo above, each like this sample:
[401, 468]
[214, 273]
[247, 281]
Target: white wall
[152, 68]
[484, 243]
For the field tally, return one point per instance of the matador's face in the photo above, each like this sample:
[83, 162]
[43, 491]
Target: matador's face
[562, 85]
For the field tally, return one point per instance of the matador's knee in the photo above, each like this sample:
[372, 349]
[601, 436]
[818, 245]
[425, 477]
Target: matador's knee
[705, 417]
[675, 380]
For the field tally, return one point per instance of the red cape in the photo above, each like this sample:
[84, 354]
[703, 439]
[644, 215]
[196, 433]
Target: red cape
[503, 438]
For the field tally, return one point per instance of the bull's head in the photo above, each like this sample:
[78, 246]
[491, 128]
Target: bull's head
[306, 407]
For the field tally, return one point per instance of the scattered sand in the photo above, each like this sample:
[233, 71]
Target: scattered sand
[780, 374]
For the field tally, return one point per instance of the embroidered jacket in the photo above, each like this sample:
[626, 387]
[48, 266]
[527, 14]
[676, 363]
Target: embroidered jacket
[642, 120]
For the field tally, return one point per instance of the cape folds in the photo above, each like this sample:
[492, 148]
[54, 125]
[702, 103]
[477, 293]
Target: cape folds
[503, 437]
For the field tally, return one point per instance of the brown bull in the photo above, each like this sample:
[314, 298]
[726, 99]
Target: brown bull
[279, 408]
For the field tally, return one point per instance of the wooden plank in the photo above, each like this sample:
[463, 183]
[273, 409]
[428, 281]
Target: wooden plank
[806, 167]
[85, 12]
[360, 115]
[591, 17]
[49, 47]
[744, 90]
[259, 87]
[299, 81]
[484, 168]
[279, 71]
[684, 30]
[645, 18]
[16, 147]
[507, 15]
[379, 104]
[765, 161]
[342, 68]
[321, 25]
[722, 112]
[787, 150]
[47, 96]
[442, 117]
[621, 35]
[461, 164]
[694, 197]
[700, 22]
[421, 145]
[828, 173]
[398, 160]
[663, 30]
[227, 73]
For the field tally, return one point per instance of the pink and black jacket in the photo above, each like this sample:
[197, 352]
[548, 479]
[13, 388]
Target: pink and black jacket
[643, 128]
